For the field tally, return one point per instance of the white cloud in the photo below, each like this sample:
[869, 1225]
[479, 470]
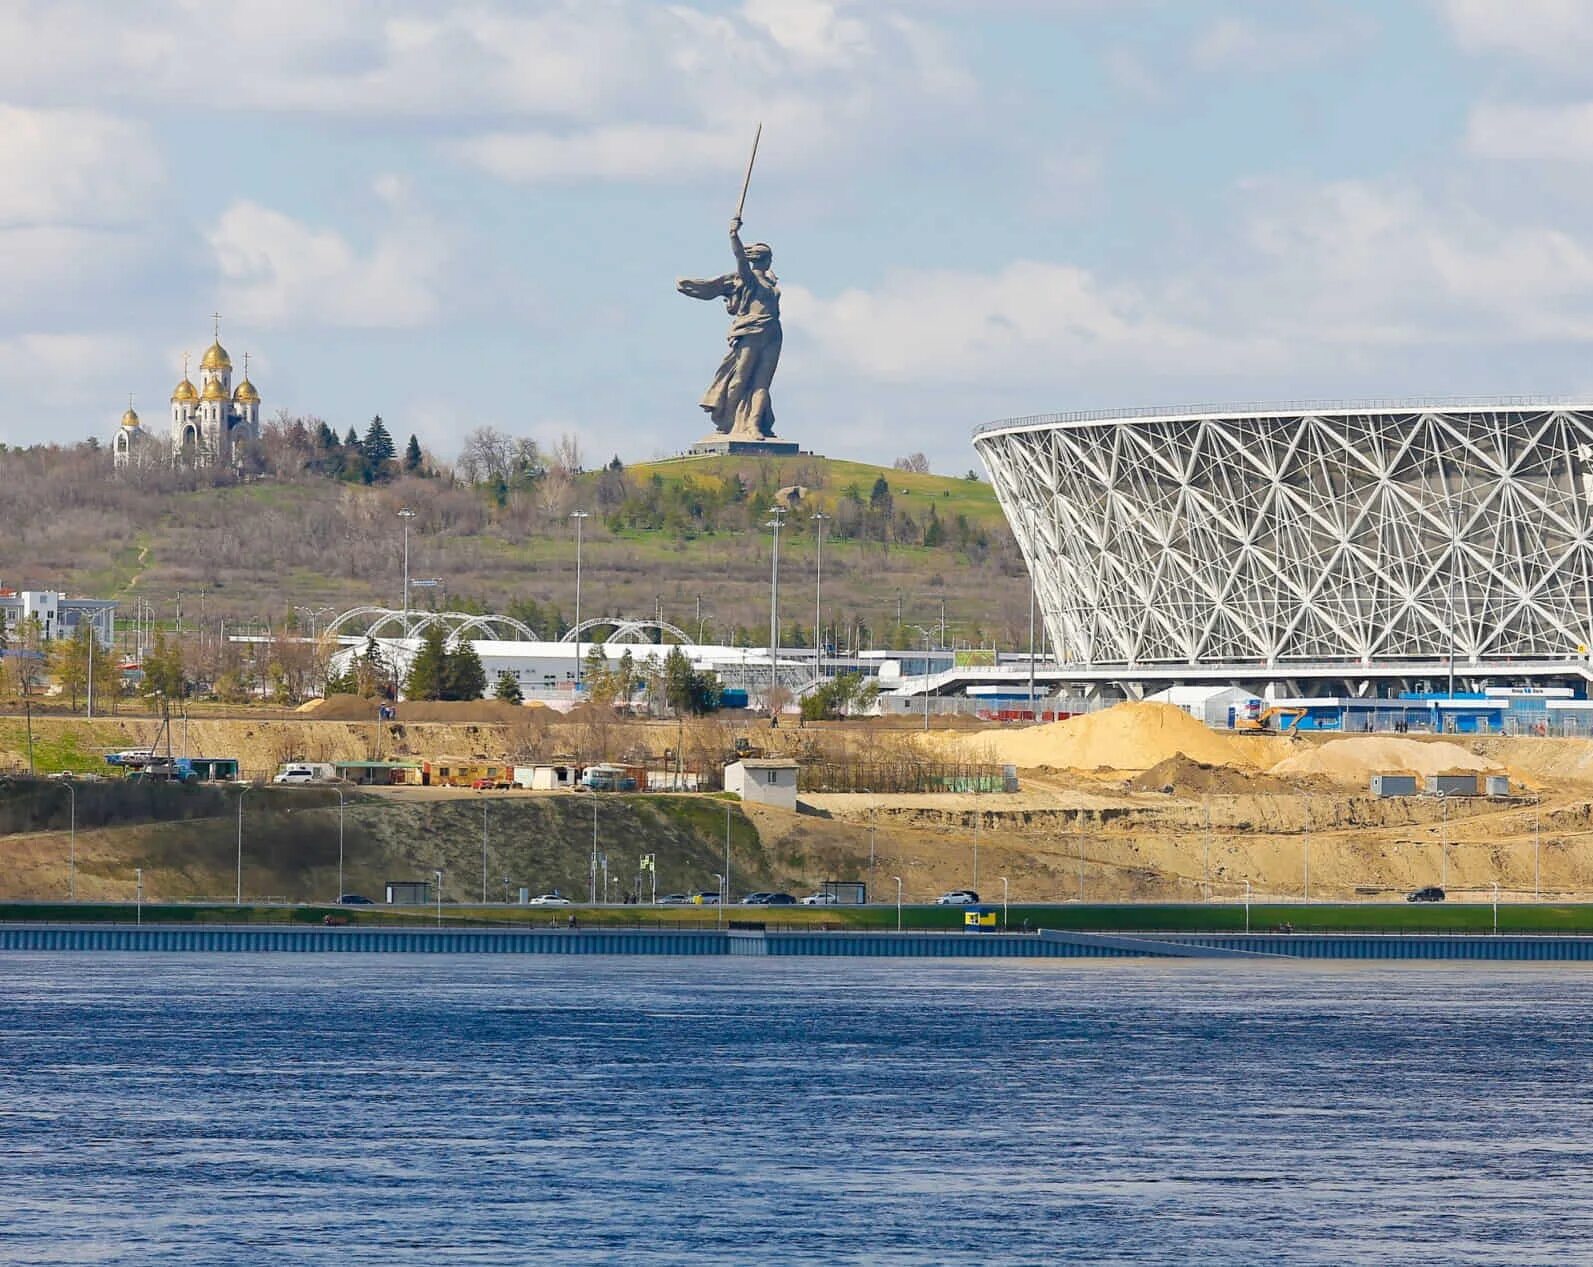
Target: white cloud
[617, 152]
[1558, 133]
[74, 166]
[1557, 33]
[278, 271]
[1026, 321]
[74, 370]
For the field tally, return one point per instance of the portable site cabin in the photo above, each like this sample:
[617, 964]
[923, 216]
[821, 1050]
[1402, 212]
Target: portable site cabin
[547, 778]
[764, 780]
[378, 773]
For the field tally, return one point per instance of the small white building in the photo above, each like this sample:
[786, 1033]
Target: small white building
[764, 781]
[58, 615]
[1214, 705]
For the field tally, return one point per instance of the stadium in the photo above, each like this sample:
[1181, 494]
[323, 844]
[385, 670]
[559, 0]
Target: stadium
[1344, 548]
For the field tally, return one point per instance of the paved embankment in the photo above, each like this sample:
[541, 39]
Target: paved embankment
[243, 939]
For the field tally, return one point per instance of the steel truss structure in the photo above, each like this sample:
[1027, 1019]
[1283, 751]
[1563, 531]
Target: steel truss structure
[1347, 534]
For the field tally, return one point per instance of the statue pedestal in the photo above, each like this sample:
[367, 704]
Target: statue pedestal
[734, 446]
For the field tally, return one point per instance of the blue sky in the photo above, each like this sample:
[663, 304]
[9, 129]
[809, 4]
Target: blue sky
[473, 214]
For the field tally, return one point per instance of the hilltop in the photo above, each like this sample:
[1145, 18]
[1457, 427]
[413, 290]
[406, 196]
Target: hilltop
[683, 537]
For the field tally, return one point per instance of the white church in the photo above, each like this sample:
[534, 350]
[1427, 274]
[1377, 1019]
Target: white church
[206, 421]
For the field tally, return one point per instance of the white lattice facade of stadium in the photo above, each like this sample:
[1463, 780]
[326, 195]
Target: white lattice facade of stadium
[1343, 535]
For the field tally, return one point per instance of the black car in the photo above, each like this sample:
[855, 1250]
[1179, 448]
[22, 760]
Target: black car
[1432, 893]
[354, 899]
[780, 899]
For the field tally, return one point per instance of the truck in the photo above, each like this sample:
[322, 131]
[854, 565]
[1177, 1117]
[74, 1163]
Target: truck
[306, 772]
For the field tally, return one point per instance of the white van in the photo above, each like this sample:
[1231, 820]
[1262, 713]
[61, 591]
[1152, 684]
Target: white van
[306, 772]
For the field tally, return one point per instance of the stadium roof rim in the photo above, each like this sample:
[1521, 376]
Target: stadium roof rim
[1276, 408]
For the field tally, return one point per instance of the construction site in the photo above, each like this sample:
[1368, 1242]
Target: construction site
[1138, 802]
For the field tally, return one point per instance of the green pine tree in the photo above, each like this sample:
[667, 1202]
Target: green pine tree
[463, 675]
[352, 440]
[412, 457]
[378, 445]
[508, 689]
[429, 671]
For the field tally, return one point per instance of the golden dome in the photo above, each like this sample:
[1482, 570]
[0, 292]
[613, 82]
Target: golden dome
[129, 419]
[213, 391]
[245, 394]
[185, 391]
[215, 358]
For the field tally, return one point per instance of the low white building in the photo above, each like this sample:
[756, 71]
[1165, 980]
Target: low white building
[1214, 705]
[58, 615]
[764, 781]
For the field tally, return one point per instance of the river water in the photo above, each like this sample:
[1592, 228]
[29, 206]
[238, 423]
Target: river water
[284, 1109]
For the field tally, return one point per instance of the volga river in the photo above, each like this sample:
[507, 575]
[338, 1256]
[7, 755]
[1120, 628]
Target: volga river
[280, 1109]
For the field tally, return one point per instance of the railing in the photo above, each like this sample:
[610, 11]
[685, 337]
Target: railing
[1223, 409]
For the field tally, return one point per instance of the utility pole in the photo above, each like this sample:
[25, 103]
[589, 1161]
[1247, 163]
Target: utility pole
[818, 597]
[774, 604]
[578, 516]
[406, 514]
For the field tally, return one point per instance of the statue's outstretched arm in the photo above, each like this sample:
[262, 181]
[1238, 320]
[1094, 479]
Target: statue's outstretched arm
[706, 287]
[740, 252]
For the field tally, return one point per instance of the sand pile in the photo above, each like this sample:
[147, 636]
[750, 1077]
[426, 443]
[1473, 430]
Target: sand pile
[1134, 736]
[1181, 775]
[1354, 761]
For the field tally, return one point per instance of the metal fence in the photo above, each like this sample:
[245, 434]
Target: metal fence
[901, 776]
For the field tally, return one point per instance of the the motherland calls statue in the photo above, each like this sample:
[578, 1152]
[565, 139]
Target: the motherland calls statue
[738, 398]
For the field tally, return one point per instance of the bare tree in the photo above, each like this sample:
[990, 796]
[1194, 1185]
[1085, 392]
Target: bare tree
[917, 463]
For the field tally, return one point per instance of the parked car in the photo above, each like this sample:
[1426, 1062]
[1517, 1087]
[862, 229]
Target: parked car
[1432, 893]
[957, 897]
[673, 899]
[780, 899]
[491, 785]
[756, 899]
[819, 899]
[550, 899]
[354, 899]
[704, 899]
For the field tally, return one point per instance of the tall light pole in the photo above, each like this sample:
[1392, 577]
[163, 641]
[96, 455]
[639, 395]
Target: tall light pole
[1537, 855]
[593, 881]
[778, 518]
[727, 851]
[1004, 920]
[71, 880]
[928, 638]
[238, 892]
[1307, 803]
[898, 880]
[406, 514]
[483, 853]
[818, 596]
[437, 876]
[579, 516]
[340, 807]
[1247, 906]
[1443, 845]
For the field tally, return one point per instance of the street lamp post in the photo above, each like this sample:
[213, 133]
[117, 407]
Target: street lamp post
[579, 516]
[341, 806]
[720, 881]
[1537, 855]
[1005, 922]
[1307, 803]
[818, 597]
[593, 884]
[927, 639]
[71, 874]
[1247, 906]
[727, 851]
[238, 891]
[483, 853]
[138, 894]
[976, 853]
[437, 876]
[1443, 846]
[1496, 908]
[406, 514]
[775, 522]
[898, 880]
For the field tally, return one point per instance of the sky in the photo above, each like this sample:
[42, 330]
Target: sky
[474, 213]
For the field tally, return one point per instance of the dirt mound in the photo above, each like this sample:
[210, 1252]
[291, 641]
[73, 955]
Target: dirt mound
[1354, 761]
[341, 708]
[1180, 774]
[1133, 736]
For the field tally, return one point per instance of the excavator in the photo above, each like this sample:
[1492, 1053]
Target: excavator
[1256, 723]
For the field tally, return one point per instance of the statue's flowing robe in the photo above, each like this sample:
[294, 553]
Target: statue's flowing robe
[738, 398]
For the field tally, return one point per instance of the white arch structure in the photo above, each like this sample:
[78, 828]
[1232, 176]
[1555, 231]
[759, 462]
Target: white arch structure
[385, 622]
[631, 631]
[1348, 533]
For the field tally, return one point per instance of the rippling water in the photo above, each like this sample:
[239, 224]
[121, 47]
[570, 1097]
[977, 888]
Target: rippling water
[282, 1109]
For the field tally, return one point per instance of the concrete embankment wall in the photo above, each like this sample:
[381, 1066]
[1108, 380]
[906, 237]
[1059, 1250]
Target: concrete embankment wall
[739, 942]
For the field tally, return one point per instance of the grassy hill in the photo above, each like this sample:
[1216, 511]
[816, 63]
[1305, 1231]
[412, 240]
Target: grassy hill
[671, 537]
